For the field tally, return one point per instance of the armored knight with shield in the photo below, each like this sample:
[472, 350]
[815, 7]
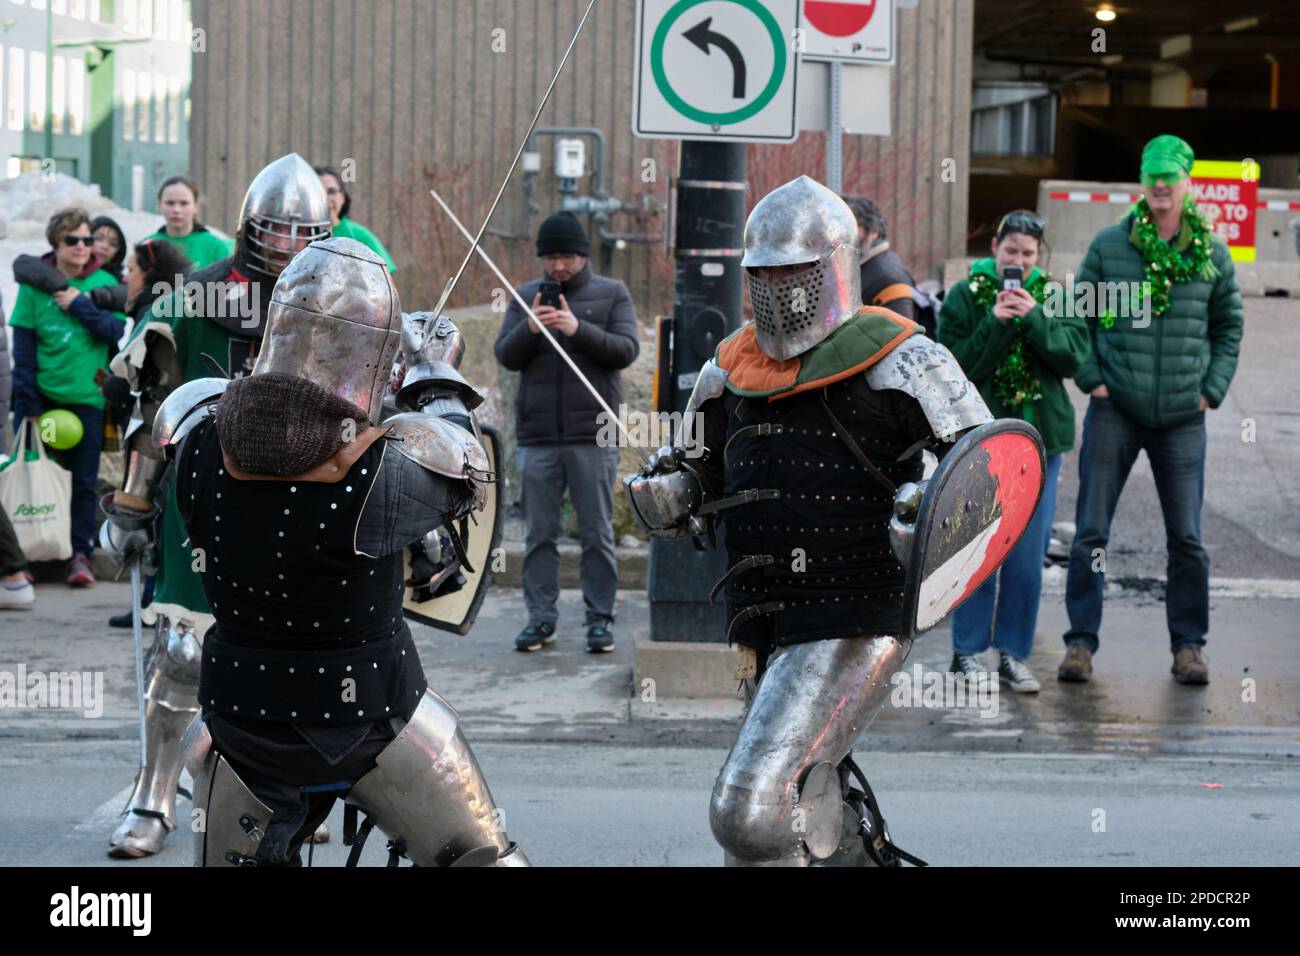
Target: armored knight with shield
[814, 418]
[304, 502]
[213, 324]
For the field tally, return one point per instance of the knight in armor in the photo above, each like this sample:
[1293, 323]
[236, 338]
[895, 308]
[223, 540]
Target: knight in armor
[813, 419]
[213, 324]
[303, 503]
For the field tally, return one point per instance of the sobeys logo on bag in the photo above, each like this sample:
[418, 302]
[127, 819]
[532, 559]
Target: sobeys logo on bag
[29, 511]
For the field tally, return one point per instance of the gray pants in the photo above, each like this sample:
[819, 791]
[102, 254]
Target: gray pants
[589, 472]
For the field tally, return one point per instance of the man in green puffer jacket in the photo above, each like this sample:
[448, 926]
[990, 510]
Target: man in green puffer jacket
[1151, 376]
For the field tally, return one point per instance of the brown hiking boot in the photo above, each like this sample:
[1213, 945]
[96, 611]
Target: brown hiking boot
[1077, 666]
[1191, 666]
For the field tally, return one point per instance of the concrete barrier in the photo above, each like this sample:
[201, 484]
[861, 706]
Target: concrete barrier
[1076, 211]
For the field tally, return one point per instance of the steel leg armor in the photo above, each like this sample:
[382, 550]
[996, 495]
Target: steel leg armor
[171, 688]
[780, 797]
[426, 794]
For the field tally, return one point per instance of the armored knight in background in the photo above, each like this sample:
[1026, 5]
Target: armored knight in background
[303, 502]
[218, 316]
[814, 417]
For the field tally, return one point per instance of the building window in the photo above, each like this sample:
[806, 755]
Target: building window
[59, 6]
[178, 21]
[38, 4]
[76, 96]
[36, 102]
[160, 19]
[160, 109]
[130, 15]
[146, 17]
[58, 94]
[128, 104]
[78, 9]
[174, 114]
[16, 78]
[144, 98]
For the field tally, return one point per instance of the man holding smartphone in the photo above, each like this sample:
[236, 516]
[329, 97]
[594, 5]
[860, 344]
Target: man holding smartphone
[1151, 378]
[557, 422]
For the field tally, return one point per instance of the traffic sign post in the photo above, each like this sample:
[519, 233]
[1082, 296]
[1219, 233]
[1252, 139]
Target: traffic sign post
[716, 70]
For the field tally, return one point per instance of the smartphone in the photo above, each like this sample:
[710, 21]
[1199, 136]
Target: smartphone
[1012, 277]
[550, 293]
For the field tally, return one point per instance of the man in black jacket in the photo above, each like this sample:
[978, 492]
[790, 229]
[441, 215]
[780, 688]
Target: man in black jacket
[885, 279]
[557, 422]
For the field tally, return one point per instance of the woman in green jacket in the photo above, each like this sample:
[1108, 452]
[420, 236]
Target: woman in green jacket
[1017, 355]
[178, 201]
[341, 225]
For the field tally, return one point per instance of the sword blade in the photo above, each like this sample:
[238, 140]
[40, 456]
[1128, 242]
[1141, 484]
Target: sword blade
[446, 292]
[528, 311]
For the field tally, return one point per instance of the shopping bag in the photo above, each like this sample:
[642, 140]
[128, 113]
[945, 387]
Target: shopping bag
[36, 494]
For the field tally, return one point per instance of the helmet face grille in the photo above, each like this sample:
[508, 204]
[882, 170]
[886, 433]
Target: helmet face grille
[788, 306]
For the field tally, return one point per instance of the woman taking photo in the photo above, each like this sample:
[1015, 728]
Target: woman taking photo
[341, 225]
[1017, 355]
[61, 341]
[178, 201]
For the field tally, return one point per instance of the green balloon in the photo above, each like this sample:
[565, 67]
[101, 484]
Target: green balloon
[60, 429]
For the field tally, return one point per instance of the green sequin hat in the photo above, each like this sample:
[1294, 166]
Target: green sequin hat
[1167, 155]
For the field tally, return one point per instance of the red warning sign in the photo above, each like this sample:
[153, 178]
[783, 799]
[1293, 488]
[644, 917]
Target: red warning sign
[851, 30]
[838, 19]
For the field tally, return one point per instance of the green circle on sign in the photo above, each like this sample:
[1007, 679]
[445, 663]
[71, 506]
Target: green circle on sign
[703, 116]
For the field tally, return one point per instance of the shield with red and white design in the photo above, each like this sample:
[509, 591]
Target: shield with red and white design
[976, 507]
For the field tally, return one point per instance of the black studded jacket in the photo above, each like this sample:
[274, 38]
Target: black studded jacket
[821, 549]
[305, 580]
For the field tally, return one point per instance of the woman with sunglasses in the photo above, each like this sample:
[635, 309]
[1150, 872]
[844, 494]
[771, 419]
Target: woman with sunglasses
[61, 341]
[340, 225]
[1017, 355]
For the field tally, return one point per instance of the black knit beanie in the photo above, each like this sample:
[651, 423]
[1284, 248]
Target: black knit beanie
[561, 232]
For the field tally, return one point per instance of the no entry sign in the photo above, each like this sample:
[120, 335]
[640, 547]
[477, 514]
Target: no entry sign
[857, 31]
[1226, 194]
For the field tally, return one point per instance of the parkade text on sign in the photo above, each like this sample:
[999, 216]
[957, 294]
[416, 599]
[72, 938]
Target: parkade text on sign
[1227, 194]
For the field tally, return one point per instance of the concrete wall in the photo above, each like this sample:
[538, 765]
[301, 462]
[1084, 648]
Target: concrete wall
[412, 91]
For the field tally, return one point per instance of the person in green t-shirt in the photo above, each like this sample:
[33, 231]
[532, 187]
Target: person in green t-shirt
[61, 341]
[178, 201]
[341, 225]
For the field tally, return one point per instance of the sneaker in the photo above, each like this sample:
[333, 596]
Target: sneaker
[125, 619]
[1077, 666]
[1016, 673]
[968, 665]
[79, 573]
[600, 639]
[534, 636]
[17, 597]
[1191, 666]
